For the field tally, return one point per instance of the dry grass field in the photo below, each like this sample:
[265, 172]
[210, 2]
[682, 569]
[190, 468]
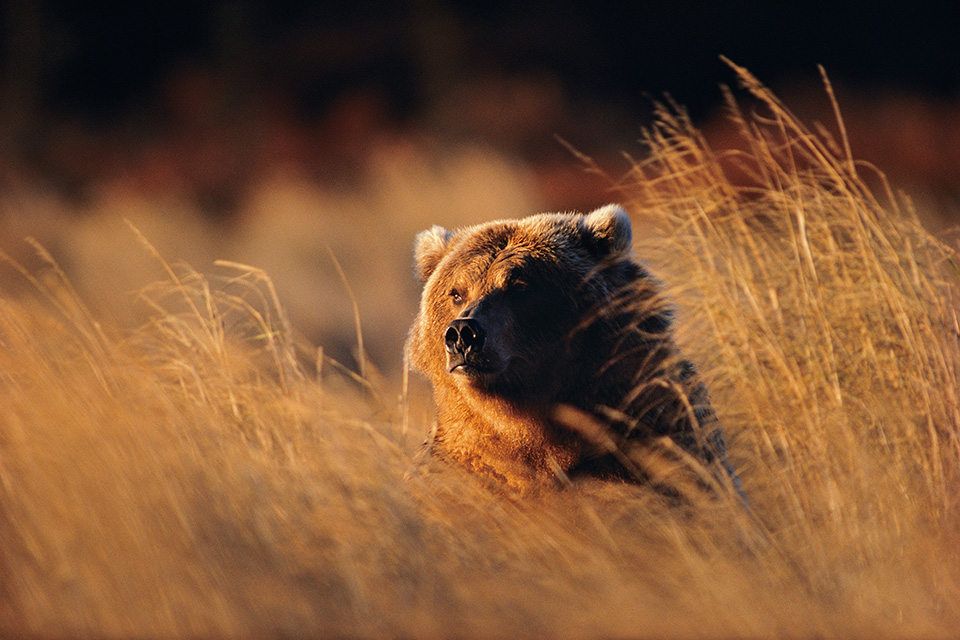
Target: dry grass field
[200, 477]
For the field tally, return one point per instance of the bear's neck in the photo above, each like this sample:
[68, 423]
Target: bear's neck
[486, 433]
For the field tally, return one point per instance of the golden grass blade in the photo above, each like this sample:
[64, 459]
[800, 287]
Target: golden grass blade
[361, 352]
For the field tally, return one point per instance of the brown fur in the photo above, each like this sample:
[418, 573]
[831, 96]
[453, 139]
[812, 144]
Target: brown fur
[576, 371]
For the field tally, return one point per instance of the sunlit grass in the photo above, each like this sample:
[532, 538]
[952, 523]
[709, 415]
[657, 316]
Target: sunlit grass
[199, 476]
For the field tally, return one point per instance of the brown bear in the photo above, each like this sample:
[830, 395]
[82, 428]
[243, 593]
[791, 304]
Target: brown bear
[551, 355]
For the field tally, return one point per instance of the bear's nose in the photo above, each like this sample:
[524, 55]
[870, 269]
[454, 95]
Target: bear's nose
[463, 336]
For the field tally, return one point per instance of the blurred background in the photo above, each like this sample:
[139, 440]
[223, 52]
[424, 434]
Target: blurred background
[290, 135]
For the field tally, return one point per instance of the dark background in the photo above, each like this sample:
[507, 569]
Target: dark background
[131, 72]
[279, 134]
[102, 60]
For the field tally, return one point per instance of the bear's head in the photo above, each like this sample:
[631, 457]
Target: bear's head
[503, 301]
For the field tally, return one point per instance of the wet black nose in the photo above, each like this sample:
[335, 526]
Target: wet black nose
[463, 336]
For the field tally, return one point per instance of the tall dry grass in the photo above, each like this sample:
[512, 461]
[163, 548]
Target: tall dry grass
[193, 478]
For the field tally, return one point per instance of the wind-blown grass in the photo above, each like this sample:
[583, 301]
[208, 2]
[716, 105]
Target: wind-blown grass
[193, 478]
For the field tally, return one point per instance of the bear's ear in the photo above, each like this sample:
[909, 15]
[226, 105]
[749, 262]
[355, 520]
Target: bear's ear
[608, 230]
[428, 248]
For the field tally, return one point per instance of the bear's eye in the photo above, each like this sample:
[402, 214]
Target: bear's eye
[456, 296]
[518, 285]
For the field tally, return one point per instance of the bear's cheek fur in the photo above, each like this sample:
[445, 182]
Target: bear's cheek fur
[426, 350]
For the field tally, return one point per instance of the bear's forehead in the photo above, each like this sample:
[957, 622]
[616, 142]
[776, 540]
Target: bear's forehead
[516, 243]
[498, 252]
[528, 237]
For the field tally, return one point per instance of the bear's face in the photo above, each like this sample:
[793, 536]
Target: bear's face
[501, 301]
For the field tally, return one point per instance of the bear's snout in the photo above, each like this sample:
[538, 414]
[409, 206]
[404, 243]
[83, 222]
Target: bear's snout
[464, 336]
